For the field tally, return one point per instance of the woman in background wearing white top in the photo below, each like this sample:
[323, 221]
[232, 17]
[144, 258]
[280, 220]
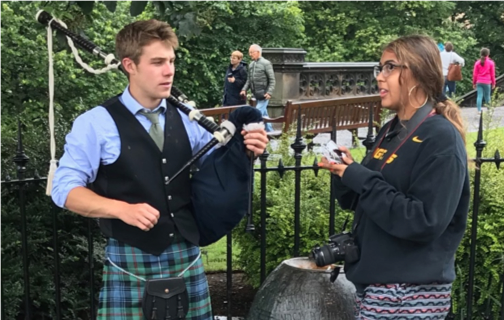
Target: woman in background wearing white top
[449, 56]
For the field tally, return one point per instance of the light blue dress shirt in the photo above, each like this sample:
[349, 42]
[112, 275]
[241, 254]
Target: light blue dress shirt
[95, 140]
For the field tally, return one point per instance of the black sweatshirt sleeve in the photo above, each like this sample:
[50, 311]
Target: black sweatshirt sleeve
[345, 196]
[424, 212]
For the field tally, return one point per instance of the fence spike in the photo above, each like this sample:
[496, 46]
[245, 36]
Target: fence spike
[315, 167]
[370, 138]
[281, 168]
[298, 146]
[497, 158]
[480, 143]
[264, 156]
[21, 159]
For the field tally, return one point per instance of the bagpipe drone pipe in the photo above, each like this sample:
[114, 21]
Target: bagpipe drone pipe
[221, 187]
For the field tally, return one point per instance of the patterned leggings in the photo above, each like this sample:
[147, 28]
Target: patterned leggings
[403, 302]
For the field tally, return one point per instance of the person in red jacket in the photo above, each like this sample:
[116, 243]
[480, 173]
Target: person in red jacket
[483, 77]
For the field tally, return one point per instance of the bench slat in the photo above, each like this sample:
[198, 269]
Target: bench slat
[319, 116]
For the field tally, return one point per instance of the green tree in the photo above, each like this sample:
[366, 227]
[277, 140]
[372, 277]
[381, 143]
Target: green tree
[358, 30]
[486, 20]
[24, 96]
[225, 27]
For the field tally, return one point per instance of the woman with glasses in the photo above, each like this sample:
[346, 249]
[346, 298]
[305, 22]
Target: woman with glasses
[410, 195]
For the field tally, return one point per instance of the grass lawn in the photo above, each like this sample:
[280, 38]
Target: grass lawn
[214, 256]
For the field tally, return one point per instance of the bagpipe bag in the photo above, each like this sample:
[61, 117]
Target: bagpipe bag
[220, 189]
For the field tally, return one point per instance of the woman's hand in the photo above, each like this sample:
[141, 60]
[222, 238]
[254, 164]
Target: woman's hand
[338, 168]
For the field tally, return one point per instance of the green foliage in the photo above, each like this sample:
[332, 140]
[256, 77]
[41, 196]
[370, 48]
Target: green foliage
[486, 21]
[24, 67]
[24, 96]
[490, 232]
[280, 192]
[358, 30]
[181, 13]
[73, 250]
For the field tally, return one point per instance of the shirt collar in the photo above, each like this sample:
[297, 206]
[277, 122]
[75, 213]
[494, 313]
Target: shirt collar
[134, 107]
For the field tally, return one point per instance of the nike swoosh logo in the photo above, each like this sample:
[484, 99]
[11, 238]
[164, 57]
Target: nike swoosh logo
[415, 139]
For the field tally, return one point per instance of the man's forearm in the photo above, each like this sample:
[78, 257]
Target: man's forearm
[87, 203]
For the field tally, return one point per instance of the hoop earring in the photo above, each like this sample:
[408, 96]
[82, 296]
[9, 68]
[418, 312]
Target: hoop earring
[409, 93]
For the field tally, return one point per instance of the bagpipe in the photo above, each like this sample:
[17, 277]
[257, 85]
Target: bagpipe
[221, 187]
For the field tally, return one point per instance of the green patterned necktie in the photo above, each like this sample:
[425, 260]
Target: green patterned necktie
[155, 131]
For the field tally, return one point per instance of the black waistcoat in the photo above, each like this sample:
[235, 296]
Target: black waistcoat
[139, 175]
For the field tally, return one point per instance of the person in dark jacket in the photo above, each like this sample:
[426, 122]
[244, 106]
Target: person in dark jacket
[411, 192]
[235, 78]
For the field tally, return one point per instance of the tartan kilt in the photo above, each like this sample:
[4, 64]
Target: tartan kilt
[121, 294]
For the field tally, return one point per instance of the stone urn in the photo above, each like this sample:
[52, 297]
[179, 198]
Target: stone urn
[298, 290]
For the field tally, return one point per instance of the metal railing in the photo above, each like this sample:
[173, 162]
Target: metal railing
[22, 182]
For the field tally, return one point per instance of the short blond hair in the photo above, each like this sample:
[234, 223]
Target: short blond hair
[134, 36]
[237, 54]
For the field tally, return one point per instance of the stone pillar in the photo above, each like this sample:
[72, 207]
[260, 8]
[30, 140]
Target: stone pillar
[287, 64]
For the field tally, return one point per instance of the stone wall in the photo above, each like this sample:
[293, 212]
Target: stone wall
[300, 80]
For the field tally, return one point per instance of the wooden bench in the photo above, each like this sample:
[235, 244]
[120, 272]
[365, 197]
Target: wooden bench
[320, 116]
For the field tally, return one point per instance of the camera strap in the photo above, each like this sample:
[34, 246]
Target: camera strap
[395, 136]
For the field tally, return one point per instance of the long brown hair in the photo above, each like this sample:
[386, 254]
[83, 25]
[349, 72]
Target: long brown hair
[421, 55]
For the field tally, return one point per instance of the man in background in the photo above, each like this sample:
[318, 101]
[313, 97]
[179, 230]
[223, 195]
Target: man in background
[261, 81]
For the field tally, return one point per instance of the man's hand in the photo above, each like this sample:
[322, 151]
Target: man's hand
[474, 86]
[493, 86]
[139, 215]
[267, 96]
[231, 79]
[243, 93]
[255, 140]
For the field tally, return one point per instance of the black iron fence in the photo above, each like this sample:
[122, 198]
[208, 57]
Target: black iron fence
[22, 182]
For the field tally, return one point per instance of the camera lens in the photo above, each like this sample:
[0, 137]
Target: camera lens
[323, 256]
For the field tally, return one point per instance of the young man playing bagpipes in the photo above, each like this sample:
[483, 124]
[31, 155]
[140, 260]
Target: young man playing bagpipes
[116, 167]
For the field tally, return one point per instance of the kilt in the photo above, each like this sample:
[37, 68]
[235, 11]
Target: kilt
[403, 302]
[121, 294]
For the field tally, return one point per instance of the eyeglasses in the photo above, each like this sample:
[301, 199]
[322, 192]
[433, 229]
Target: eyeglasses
[387, 69]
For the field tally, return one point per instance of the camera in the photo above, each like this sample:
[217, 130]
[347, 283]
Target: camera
[341, 247]
[229, 75]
